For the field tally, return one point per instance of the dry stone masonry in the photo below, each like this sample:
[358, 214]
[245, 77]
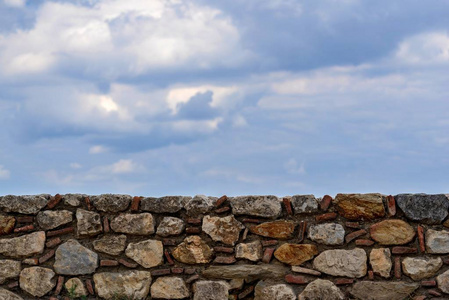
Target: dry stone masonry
[351, 246]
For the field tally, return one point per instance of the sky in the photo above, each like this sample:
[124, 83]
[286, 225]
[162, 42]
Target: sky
[236, 97]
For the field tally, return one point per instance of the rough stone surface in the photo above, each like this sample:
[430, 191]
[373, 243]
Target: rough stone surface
[88, 223]
[377, 290]
[428, 209]
[193, 250]
[6, 224]
[23, 246]
[170, 226]
[7, 295]
[110, 244]
[169, 288]
[418, 268]
[249, 272]
[9, 269]
[226, 229]
[360, 206]
[50, 219]
[73, 200]
[147, 253]
[328, 234]
[259, 206]
[28, 204]
[392, 232]
[211, 290]
[37, 281]
[380, 260]
[277, 229]
[132, 284]
[322, 290]
[140, 224]
[304, 204]
[71, 258]
[443, 282]
[295, 254]
[76, 286]
[167, 204]
[437, 242]
[200, 204]
[349, 263]
[266, 291]
[251, 251]
[111, 202]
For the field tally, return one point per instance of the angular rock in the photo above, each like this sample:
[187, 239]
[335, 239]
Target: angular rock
[131, 284]
[304, 204]
[200, 204]
[321, 289]
[23, 246]
[139, 224]
[380, 260]
[37, 281]
[167, 204]
[193, 250]
[73, 200]
[428, 209]
[169, 288]
[276, 229]
[110, 244]
[377, 290]
[443, 282]
[437, 242]
[111, 202]
[147, 253]
[251, 251]
[418, 268]
[266, 291]
[348, 263]
[211, 290]
[248, 272]
[259, 206]
[392, 232]
[7, 295]
[328, 234]
[6, 224]
[295, 254]
[50, 219]
[71, 258]
[76, 287]
[28, 204]
[9, 269]
[360, 206]
[88, 223]
[170, 226]
[226, 229]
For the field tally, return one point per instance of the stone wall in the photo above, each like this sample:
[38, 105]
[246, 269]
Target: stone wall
[353, 246]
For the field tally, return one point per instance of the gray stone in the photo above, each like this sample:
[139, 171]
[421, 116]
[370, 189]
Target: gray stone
[111, 202]
[377, 290]
[226, 229]
[37, 281]
[263, 271]
[437, 242]
[111, 244]
[328, 234]
[73, 200]
[76, 287]
[169, 288]
[28, 204]
[50, 219]
[443, 282]
[167, 204]
[251, 251]
[200, 204]
[7, 295]
[211, 290]
[266, 291]
[131, 284]
[349, 263]
[147, 253]
[170, 226]
[9, 269]
[418, 268]
[259, 206]
[304, 204]
[140, 224]
[193, 250]
[322, 290]
[23, 246]
[428, 209]
[88, 223]
[380, 260]
[71, 258]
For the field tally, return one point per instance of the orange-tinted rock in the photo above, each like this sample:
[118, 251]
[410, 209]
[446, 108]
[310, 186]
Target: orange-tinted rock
[295, 254]
[276, 229]
[392, 232]
[6, 224]
[360, 206]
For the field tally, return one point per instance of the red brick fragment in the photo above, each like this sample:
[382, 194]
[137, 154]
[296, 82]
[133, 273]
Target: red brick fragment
[106, 227]
[435, 293]
[422, 297]
[168, 257]
[223, 210]
[251, 220]
[296, 279]
[343, 281]
[194, 230]
[325, 202]
[108, 263]
[422, 246]
[88, 203]
[326, 217]
[363, 242]
[26, 219]
[270, 243]
[135, 203]
[13, 284]
[60, 231]
[302, 231]
[391, 205]
[226, 260]
[354, 235]
[353, 225]
[46, 256]
[53, 242]
[192, 278]
[24, 228]
[397, 267]
[428, 283]
[160, 272]
[288, 206]
[127, 263]
[189, 271]
[54, 201]
[403, 250]
[59, 285]
[194, 221]
[267, 255]
[169, 242]
[224, 249]
[370, 275]
[177, 270]
[246, 292]
[90, 287]
[221, 200]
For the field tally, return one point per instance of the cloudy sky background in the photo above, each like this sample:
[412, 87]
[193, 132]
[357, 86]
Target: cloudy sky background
[224, 97]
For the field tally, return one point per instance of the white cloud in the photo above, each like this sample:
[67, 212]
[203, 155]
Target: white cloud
[4, 173]
[97, 149]
[75, 166]
[292, 167]
[15, 3]
[425, 48]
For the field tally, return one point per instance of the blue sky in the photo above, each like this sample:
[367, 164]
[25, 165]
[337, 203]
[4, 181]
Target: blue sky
[224, 97]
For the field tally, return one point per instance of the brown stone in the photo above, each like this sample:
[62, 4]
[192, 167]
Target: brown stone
[380, 260]
[296, 279]
[422, 245]
[363, 242]
[54, 201]
[326, 217]
[343, 281]
[392, 232]
[223, 249]
[353, 225]
[277, 229]
[222, 210]
[225, 230]
[360, 206]
[135, 203]
[161, 272]
[221, 200]
[108, 263]
[288, 206]
[295, 254]
[302, 231]
[404, 250]
[397, 267]
[354, 235]
[226, 260]
[391, 205]
[193, 250]
[270, 243]
[6, 224]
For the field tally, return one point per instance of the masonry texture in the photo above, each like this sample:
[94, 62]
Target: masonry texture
[353, 246]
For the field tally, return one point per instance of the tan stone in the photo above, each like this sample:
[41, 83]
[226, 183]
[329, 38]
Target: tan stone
[147, 253]
[418, 268]
[437, 241]
[226, 229]
[129, 284]
[88, 223]
[322, 290]
[392, 232]
[443, 282]
[339, 262]
[6, 224]
[378, 290]
[75, 287]
[111, 244]
[50, 219]
[37, 281]
[193, 250]
[360, 206]
[7, 295]
[267, 291]
[277, 229]
[295, 254]
[210, 290]
[380, 260]
[251, 251]
[140, 224]
[23, 246]
[9, 269]
[169, 288]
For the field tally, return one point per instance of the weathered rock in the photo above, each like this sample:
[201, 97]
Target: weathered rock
[170, 226]
[6, 224]
[140, 224]
[49, 219]
[418, 268]
[249, 272]
[349, 263]
[23, 246]
[131, 284]
[360, 206]
[193, 250]
[259, 206]
[376, 290]
[73, 200]
[9, 269]
[200, 204]
[304, 204]
[443, 282]
[277, 229]
[71, 258]
[169, 288]
[167, 204]
[295, 254]
[328, 234]
[266, 291]
[88, 223]
[226, 229]
[428, 209]
[322, 290]
[111, 244]
[236, 284]
[37, 281]
[7, 295]
[251, 251]
[392, 232]
[28, 204]
[380, 260]
[211, 290]
[111, 202]
[437, 242]
[76, 287]
[147, 253]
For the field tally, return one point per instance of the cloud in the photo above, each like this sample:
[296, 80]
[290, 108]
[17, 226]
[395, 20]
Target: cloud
[424, 48]
[15, 3]
[4, 173]
[97, 149]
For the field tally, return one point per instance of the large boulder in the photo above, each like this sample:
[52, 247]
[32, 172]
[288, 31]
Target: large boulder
[360, 206]
[72, 258]
[423, 208]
